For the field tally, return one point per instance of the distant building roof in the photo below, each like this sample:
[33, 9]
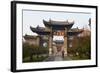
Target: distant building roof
[30, 37]
[86, 32]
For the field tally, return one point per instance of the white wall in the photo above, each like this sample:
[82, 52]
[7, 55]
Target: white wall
[5, 36]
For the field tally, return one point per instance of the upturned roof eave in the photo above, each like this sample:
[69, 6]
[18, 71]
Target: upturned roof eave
[50, 24]
[38, 30]
[75, 32]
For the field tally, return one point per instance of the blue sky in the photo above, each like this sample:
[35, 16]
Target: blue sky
[35, 18]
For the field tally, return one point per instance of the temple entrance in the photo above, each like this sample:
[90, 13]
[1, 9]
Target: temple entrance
[53, 30]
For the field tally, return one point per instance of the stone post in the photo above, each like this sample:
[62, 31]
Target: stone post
[65, 42]
[50, 42]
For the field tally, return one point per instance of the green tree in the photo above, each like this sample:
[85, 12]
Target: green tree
[84, 47]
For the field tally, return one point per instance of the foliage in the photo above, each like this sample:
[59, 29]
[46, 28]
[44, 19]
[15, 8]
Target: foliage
[33, 50]
[83, 49]
[35, 59]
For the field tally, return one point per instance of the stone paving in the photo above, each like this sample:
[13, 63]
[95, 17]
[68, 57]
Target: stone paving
[57, 57]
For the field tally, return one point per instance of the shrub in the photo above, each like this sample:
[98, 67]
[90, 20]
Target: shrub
[32, 50]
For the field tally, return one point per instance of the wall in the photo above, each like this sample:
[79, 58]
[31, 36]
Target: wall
[5, 36]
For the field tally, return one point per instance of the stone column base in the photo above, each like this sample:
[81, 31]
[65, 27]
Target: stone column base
[65, 52]
[50, 51]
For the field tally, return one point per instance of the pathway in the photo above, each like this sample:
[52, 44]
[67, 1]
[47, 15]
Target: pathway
[57, 57]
